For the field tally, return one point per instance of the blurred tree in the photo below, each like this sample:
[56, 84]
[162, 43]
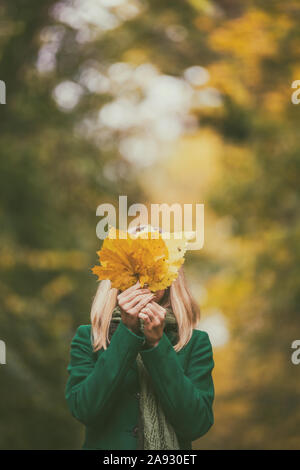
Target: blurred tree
[51, 184]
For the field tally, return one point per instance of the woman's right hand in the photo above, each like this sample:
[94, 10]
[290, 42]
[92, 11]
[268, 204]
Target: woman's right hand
[131, 301]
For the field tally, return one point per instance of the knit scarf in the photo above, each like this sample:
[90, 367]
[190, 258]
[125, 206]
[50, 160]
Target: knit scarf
[155, 432]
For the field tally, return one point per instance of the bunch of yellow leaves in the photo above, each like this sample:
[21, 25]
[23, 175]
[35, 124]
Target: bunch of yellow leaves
[145, 256]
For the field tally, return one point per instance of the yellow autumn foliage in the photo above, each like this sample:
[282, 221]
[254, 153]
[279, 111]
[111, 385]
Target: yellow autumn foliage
[147, 257]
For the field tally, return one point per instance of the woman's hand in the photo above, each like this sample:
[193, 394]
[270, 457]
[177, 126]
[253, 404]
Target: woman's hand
[154, 321]
[131, 301]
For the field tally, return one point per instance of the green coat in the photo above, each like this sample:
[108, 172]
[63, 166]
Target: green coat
[103, 388]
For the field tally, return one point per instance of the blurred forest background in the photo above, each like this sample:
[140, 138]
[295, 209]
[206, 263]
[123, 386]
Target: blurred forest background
[162, 101]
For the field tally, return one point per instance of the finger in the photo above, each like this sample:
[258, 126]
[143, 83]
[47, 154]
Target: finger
[136, 286]
[145, 308]
[144, 301]
[129, 290]
[148, 312]
[126, 297]
[157, 311]
[132, 288]
[144, 317]
[133, 294]
[132, 307]
[127, 306]
[131, 302]
[158, 307]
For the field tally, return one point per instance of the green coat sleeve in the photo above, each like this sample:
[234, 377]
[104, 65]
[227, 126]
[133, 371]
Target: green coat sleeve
[186, 398]
[93, 386]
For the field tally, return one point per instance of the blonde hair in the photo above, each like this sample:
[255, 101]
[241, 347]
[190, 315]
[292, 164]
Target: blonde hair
[185, 309]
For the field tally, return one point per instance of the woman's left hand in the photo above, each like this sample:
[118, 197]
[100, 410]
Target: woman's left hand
[154, 321]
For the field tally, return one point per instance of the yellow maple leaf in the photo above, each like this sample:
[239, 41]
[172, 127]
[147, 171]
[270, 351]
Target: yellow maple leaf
[144, 256]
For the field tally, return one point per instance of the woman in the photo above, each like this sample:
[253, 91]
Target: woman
[142, 385]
